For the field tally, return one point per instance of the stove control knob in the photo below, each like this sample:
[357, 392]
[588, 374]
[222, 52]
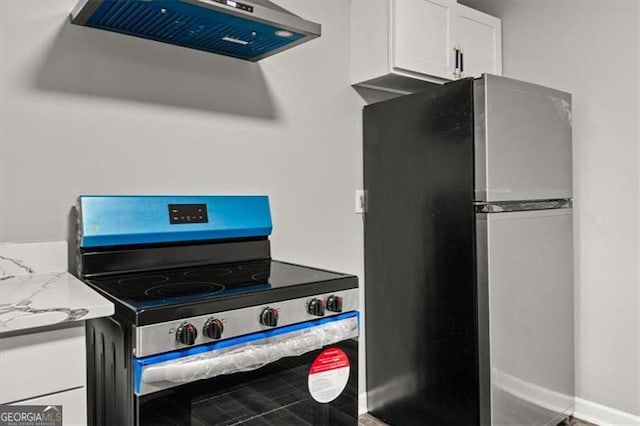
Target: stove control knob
[334, 303]
[316, 307]
[213, 328]
[187, 334]
[269, 317]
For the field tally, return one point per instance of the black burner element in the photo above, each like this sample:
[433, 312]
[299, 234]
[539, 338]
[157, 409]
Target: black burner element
[144, 280]
[260, 276]
[209, 274]
[184, 289]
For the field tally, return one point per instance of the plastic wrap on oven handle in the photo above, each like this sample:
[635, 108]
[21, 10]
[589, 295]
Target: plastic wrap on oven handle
[250, 356]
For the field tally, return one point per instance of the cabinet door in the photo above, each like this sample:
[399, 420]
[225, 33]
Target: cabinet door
[74, 405]
[42, 363]
[422, 36]
[480, 38]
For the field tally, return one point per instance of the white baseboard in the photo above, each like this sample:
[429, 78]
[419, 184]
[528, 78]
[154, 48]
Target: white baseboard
[602, 415]
[589, 411]
[362, 403]
[534, 394]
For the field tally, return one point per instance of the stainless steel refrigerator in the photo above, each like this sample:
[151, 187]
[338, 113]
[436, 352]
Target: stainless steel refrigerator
[468, 255]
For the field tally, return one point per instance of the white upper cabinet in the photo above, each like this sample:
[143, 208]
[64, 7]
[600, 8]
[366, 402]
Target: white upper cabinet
[423, 36]
[480, 41]
[398, 45]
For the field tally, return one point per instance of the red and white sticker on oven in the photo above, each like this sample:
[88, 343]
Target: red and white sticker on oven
[328, 375]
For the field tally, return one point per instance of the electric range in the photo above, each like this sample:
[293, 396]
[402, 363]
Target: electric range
[204, 314]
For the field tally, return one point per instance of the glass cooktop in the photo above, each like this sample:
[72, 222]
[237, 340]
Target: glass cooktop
[161, 288]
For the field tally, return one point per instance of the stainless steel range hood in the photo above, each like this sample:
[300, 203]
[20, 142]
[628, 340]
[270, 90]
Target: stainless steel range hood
[245, 29]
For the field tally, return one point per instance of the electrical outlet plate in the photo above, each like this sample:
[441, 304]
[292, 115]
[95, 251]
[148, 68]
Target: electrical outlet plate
[360, 201]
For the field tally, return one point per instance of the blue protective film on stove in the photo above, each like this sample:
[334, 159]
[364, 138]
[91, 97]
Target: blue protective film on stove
[139, 363]
[130, 220]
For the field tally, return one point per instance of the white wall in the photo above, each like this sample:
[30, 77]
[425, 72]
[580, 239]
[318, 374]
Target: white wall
[85, 111]
[591, 48]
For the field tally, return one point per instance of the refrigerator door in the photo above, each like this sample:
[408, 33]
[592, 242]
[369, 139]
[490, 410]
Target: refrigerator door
[522, 141]
[525, 278]
[419, 257]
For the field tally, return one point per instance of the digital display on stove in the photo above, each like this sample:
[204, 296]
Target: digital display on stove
[188, 213]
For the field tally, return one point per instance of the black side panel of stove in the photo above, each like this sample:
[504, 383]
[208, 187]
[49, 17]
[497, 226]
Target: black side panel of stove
[97, 262]
[110, 399]
[422, 344]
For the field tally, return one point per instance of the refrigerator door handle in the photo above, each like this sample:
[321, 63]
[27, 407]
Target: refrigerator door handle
[517, 206]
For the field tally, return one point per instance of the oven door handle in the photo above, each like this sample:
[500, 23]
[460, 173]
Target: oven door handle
[247, 356]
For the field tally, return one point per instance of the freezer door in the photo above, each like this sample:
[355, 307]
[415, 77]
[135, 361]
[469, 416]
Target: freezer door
[522, 141]
[525, 288]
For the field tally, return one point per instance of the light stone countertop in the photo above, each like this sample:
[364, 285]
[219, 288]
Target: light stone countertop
[31, 298]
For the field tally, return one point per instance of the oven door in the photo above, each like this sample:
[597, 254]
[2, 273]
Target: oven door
[304, 374]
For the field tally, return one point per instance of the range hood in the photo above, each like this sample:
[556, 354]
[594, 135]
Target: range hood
[249, 30]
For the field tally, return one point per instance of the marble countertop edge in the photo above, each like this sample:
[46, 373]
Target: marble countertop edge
[39, 300]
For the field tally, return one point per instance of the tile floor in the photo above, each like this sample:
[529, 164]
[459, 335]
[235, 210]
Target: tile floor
[572, 421]
[369, 420]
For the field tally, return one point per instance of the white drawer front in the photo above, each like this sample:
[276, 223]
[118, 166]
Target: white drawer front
[74, 405]
[42, 363]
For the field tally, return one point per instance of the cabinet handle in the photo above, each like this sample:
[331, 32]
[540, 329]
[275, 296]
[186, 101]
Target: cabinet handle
[461, 63]
[456, 70]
